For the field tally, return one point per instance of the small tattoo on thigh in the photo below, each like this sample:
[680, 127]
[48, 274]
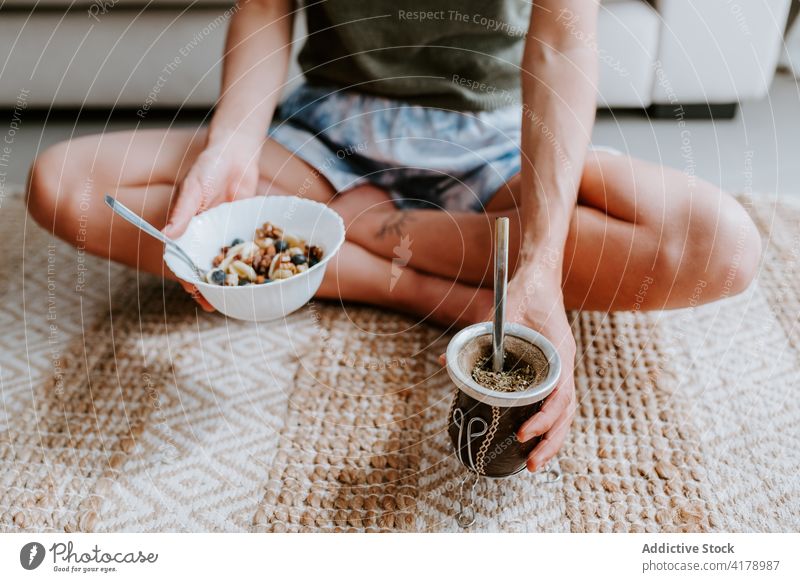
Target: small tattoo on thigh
[395, 224]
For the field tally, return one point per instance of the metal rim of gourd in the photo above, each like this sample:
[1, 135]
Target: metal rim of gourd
[466, 384]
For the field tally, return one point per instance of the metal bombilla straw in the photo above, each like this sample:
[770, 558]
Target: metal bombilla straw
[500, 284]
[465, 517]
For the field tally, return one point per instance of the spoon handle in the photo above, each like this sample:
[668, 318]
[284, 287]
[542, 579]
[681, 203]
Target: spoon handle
[141, 223]
[135, 219]
[500, 282]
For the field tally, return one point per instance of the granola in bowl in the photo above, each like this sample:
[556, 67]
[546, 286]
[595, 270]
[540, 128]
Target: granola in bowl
[272, 255]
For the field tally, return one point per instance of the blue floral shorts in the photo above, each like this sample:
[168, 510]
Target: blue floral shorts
[424, 157]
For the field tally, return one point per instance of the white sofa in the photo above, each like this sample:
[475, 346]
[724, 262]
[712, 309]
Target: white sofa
[791, 56]
[114, 53]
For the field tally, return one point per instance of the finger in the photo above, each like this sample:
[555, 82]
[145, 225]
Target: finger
[542, 421]
[233, 185]
[196, 195]
[197, 296]
[189, 200]
[442, 359]
[204, 305]
[243, 186]
[547, 448]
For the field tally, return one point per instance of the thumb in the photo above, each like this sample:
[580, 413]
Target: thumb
[189, 198]
[442, 359]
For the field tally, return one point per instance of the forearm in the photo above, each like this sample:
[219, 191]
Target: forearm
[558, 88]
[256, 62]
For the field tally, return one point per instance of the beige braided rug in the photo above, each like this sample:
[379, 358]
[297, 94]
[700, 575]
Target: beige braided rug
[123, 409]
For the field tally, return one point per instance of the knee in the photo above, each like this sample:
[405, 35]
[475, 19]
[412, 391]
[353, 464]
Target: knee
[719, 255]
[50, 189]
[43, 186]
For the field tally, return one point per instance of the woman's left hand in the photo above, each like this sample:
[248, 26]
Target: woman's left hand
[541, 308]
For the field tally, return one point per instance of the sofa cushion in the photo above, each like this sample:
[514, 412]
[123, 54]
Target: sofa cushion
[139, 60]
[627, 47]
[718, 51]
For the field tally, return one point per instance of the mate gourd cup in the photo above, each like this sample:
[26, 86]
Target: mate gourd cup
[483, 422]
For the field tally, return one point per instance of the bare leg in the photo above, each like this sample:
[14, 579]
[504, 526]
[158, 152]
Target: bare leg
[142, 168]
[642, 237]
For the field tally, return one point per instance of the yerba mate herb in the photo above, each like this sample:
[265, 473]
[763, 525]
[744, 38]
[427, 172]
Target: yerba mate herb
[515, 377]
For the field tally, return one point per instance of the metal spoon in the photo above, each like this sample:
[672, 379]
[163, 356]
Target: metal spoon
[500, 282]
[141, 223]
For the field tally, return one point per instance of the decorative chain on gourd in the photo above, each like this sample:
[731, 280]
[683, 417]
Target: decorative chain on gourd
[480, 458]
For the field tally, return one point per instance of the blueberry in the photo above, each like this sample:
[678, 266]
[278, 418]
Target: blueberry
[312, 261]
[217, 277]
[299, 259]
[281, 245]
[236, 241]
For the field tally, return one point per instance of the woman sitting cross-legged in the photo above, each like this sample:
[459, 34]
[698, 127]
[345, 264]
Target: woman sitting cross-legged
[419, 125]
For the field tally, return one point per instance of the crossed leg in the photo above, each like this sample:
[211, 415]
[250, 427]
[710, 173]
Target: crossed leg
[642, 237]
[638, 226]
[143, 168]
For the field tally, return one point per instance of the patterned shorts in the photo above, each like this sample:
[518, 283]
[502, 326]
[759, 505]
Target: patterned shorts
[424, 157]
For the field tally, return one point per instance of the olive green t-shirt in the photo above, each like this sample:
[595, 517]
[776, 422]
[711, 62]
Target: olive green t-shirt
[462, 55]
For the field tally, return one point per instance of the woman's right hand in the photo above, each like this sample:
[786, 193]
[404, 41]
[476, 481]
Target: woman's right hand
[226, 170]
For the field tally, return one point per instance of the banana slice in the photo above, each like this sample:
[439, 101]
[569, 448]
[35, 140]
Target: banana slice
[244, 270]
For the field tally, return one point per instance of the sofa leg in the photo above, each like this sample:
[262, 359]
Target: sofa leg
[693, 111]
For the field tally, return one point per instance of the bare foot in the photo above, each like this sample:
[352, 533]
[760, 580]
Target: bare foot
[452, 245]
[355, 274]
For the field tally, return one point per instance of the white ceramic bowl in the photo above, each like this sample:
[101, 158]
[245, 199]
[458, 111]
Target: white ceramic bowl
[208, 232]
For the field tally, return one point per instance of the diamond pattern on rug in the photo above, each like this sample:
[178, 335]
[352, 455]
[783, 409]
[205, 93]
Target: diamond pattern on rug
[740, 369]
[68, 446]
[137, 412]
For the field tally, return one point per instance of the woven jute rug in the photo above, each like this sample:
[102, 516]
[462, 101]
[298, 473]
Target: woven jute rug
[124, 409]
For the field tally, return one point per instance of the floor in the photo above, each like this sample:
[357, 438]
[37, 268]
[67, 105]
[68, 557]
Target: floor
[148, 418]
[758, 151]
